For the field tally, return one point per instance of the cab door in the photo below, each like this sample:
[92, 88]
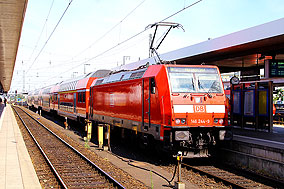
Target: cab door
[145, 105]
[148, 88]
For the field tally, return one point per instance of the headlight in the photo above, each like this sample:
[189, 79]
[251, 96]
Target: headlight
[182, 135]
[180, 121]
[177, 121]
[218, 121]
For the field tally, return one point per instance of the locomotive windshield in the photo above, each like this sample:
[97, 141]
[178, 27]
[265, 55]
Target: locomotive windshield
[194, 80]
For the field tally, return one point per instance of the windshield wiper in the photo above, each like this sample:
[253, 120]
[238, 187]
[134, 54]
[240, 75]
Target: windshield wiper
[208, 92]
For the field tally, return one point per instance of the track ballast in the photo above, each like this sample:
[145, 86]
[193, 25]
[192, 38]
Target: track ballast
[72, 169]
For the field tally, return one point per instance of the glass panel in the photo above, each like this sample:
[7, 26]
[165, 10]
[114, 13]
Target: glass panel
[209, 83]
[182, 82]
[198, 80]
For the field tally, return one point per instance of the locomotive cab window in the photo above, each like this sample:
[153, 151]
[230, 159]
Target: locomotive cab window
[194, 80]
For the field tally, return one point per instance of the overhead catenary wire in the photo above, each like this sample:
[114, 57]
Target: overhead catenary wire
[50, 36]
[147, 28]
[181, 10]
[100, 38]
[64, 63]
[138, 33]
[42, 29]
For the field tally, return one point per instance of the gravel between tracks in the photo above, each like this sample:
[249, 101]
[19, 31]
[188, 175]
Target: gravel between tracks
[121, 176]
[200, 180]
[43, 171]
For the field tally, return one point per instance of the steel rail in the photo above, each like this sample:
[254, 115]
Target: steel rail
[267, 178]
[115, 182]
[227, 182]
[61, 182]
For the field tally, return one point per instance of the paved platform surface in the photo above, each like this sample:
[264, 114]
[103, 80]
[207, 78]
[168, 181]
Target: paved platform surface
[274, 139]
[16, 168]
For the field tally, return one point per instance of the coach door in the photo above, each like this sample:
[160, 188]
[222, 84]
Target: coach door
[91, 104]
[74, 102]
[58, 99]
[49, 99]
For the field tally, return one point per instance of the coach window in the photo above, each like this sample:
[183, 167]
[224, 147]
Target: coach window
[84, 97]
[153, 85]
[79, 97]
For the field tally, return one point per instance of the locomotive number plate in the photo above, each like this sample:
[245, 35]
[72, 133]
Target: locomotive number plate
[199, 108]
[200, 121]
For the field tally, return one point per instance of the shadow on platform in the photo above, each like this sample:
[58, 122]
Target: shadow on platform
[2, 107]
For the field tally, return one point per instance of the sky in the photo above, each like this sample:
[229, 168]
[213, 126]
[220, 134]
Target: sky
[95, 34]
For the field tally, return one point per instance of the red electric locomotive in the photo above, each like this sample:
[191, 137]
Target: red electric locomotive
[176, 107]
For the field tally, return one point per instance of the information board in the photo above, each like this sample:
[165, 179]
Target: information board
[249, 103]
[237, 102]
[276, 68]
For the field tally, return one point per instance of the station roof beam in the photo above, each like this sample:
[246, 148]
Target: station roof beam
[12, 14]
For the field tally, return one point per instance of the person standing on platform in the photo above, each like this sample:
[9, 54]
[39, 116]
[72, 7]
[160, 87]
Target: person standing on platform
[5, 101]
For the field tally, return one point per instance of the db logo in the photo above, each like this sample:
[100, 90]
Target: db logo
[200, 108]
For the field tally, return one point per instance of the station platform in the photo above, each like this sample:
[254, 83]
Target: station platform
[274, 139]
[257, 151]
[16, 167]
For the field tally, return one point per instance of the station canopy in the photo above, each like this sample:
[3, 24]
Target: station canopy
[237, 51]
[12, 14]
[233, 52]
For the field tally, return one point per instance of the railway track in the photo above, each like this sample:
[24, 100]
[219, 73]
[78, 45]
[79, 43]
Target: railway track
[72, 169]
[226, 177]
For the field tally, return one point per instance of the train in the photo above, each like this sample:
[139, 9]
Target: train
[166, 106]
[68, 98]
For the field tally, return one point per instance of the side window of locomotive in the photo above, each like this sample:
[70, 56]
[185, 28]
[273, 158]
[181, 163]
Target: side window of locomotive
[152, 86]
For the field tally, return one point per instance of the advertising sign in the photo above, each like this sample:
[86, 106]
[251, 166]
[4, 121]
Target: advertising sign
[263, 102]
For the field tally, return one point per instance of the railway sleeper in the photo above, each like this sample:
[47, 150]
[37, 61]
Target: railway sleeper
[80, 174]
[81, 179]
[102, 184]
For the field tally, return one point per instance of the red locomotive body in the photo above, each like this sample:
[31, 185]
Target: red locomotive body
[180, 108]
